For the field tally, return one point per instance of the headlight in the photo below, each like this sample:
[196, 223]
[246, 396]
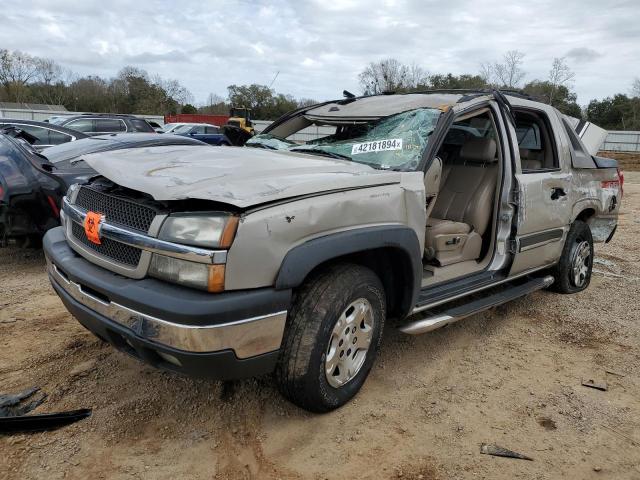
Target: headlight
[190, 274]
[202, 230]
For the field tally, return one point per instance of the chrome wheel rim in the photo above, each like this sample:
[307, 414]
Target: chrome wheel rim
[581, 264]
[349, 343]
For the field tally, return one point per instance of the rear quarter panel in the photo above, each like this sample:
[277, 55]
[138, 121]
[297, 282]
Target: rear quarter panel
[597, 189]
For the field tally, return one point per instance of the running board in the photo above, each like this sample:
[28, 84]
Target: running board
[430, 320]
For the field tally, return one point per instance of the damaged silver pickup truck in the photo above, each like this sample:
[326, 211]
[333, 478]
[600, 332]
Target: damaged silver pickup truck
[289, 256]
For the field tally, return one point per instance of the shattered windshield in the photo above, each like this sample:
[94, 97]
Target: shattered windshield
[393, 142]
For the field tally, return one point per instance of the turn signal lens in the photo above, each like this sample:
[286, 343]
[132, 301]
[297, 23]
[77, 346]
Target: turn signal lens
[190, 274]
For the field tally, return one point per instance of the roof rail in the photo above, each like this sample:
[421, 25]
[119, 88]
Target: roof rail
[105, 114]
[471, 92]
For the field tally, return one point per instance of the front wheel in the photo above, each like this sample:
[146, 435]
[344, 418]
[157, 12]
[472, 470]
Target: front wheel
[332, 338]
[573, 272]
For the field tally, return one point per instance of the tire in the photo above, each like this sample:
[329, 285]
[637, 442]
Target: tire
[573, 272]
[352, 295]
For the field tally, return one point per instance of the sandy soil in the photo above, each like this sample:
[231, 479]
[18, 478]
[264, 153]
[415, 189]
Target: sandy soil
[511, 377]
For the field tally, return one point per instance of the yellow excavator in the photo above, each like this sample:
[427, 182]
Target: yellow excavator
[241, 117]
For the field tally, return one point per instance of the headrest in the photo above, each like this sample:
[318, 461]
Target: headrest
[480, 150]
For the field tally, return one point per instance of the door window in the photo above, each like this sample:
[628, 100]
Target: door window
[82, 125]
[535, 142]
[141, 125]
[110, 125]
[45, 136]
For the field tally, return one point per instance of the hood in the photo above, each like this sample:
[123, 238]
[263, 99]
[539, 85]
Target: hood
[238, 176]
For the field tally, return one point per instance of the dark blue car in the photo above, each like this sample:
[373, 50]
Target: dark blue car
[204, 132]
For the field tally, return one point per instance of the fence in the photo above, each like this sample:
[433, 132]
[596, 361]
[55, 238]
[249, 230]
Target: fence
[42, 115]
[620, 141]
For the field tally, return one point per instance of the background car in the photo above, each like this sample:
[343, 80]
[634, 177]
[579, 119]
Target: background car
[170, 127]
[97, 124]
[203, 131]
[33, 183]
[156, 126]
[46, 134]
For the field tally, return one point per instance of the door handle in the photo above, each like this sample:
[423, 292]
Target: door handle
[557, 192]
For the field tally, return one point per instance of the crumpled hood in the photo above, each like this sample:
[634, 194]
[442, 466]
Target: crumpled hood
[238, 176]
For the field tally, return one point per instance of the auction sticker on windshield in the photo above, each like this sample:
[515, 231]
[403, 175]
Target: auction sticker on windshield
[377, 146]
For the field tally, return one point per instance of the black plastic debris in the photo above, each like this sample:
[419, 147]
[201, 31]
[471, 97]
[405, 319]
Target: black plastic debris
[14, 407]
[43, 422]
[592, 384]
[496, 451]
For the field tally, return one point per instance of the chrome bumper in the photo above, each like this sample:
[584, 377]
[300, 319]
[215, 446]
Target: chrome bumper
[246, 337]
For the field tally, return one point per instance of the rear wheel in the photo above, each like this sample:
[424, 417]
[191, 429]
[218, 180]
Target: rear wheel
[573, 271]
[332, 338]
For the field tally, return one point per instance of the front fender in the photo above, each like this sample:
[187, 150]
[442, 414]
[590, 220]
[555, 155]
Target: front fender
[302, 259]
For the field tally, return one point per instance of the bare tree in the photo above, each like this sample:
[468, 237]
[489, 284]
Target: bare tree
[16, 70]
[48, 71]
[390, 75]
[509, 73]
[635, 89]
[487, 73]
[560, 75]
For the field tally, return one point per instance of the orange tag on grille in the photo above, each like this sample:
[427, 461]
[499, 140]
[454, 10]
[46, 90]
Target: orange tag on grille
[92, 227]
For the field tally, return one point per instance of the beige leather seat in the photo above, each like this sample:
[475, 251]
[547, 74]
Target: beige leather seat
[463, 208]
[529, 160]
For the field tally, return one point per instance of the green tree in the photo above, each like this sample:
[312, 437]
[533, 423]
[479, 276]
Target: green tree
[259, 98]
[619, 112]
[188, 108]
[449, 81]
[558, 96]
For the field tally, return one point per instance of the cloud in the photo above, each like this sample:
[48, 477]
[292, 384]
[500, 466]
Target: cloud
[583, 54]
[319, 47]
[173, 56]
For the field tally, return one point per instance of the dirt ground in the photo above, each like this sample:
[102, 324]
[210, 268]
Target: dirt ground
[510, 377]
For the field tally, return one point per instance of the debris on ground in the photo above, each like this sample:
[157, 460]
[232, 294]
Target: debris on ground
[598, 386]
[12, 405]
[497, 451]
[42, 422]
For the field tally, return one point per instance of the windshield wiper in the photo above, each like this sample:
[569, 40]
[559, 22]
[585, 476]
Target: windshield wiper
[260, 145]
[317, 151]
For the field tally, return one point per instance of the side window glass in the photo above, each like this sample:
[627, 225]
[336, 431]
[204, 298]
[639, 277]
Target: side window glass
[110, 125]
[536, 142]
[211, 130]
[40, 133]
[141, 125]
[82, 125]
[529, 136]
[56, 138]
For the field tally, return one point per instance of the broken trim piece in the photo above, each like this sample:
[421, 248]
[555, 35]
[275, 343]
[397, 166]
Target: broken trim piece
[43, 422]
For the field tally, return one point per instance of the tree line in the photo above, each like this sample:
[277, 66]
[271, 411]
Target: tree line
[29, 79]
[620, 112]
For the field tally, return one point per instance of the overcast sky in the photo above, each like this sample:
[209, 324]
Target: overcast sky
[320, 46]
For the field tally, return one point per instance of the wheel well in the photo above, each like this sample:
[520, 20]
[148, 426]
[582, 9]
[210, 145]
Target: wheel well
[586, 214]
[393, 268]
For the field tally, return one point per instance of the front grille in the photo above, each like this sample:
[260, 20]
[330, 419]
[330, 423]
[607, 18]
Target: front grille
[116, 210]
[108, 248]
